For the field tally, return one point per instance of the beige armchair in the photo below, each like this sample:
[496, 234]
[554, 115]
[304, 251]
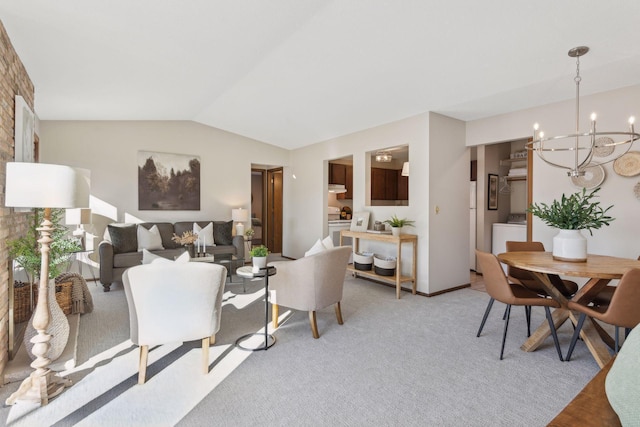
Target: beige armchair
[310, 283]
[174, 302]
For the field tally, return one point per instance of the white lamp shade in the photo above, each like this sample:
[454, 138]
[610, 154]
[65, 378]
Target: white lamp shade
[405, 169]
[78, 216]
[239, 215]
[41, 185]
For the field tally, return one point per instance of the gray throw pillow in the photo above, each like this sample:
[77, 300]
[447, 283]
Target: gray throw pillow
[223, 232]
[124, 238]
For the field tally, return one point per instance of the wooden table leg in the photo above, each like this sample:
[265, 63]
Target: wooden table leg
[399, 269]
[559, 316]
[591, 338]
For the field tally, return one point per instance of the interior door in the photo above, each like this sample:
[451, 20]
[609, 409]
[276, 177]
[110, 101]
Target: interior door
[274, 210]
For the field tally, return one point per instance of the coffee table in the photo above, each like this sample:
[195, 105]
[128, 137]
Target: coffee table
[247, 273]
[227, 260]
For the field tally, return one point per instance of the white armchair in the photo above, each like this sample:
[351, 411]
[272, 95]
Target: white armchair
[310, 283]
[174, 302]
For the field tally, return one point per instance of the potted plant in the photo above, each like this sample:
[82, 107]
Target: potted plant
[397, 224]
[249, 234]
[259, 256]
[570, 215]
[25, 250]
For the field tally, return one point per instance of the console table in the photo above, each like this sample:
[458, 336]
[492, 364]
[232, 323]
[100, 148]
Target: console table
[398, 278]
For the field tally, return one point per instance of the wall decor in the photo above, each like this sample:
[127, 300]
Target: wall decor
[360, 221]
[168, 181]
[628, 164]
[24, 131]
[593, 177]
[492, 193]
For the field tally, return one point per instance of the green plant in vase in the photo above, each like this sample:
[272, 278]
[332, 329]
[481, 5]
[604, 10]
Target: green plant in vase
[397, 224]
[571, 214]
[259, 256]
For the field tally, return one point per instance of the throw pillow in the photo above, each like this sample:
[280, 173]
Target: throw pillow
[183, 258]
[148, 257]
[149, 239]
[205, 235]
[327, 242]
[123, 237]
[223, 232]
[316, 248]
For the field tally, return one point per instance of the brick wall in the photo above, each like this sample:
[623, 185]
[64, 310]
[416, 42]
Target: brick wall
[14, 80]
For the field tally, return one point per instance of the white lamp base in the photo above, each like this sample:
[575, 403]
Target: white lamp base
[239, 229]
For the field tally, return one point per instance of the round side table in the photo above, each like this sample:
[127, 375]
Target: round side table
[269, 340]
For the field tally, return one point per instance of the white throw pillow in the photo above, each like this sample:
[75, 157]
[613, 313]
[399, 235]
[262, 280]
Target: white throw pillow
[183, 258]
[149, 239]
[316, 248]
[327, 242]
[205, 235]
[148, 257]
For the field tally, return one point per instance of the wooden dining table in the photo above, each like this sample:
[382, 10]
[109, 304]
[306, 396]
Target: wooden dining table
[598, 269]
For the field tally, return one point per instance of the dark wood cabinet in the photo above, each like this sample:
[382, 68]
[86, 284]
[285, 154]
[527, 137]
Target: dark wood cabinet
[385, 184]
[403, 186]
[342, 174]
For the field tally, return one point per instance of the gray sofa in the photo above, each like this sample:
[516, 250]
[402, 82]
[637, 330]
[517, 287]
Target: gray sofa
[121, 253]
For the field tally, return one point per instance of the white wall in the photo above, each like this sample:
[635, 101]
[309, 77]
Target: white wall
[309, 198]
[613, 109]
[448, 181]
[109, 149]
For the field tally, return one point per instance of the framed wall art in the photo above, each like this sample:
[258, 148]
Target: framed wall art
[24, 131]
[168, 182]
[492, 193]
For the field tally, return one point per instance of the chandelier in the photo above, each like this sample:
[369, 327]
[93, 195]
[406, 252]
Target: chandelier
[383, 156]
[581, 148]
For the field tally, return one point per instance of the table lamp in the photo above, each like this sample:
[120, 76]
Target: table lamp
[78, 217]
[40, 185]
[240, 215]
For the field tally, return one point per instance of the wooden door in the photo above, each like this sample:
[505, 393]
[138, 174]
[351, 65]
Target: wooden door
[274, 210]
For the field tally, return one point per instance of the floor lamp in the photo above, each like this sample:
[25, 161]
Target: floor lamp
[39, 185]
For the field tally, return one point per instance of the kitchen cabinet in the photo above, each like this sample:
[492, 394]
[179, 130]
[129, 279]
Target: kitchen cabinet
[342, 174]
[385, 184]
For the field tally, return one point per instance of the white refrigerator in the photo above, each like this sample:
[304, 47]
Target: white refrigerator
[472, 225]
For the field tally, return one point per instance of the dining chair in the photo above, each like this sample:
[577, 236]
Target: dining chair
[604, 296]
[173, 302]
[511, 294]
[517, 275]
[621, 312]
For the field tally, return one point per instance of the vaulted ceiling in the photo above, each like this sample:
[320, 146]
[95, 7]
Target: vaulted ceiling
[295, 72]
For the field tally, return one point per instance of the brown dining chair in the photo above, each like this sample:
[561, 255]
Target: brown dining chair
[517, 275]
[604, 296]
[500, 289]
[621, 312]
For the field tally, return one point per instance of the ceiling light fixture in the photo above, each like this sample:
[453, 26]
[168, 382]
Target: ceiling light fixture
[600, 144]
[383, 156]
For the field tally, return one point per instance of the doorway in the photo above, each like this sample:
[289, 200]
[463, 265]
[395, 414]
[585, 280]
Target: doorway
[266, 207]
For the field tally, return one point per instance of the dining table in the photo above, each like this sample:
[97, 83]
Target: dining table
[598, 269]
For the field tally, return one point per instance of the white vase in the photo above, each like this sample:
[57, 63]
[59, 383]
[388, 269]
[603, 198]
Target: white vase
[396, 231]
[260, 261]
[58, 328]
[570, 245]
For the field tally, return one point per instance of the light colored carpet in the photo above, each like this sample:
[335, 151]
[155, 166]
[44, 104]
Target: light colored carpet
[413, 361]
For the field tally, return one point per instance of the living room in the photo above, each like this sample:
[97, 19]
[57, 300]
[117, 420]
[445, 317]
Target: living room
[438, 145]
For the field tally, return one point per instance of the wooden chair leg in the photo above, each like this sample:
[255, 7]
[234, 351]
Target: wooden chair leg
[314, 325]
[275, 312]
[142, 366]
[339, 313]
[205, 355]
[212, 339]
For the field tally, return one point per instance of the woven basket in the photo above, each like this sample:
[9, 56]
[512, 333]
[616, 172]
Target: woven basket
[63, 296]
[21, 302]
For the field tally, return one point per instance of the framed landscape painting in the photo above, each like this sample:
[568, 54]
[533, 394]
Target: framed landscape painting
[168, 182]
